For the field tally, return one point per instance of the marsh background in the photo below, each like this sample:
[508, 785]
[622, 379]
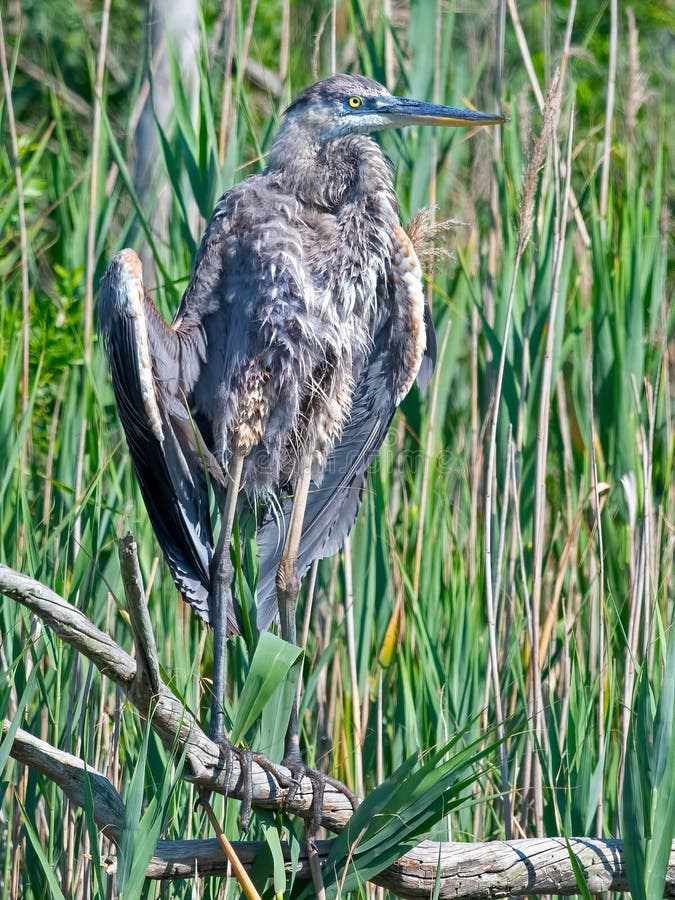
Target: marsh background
[509, 573]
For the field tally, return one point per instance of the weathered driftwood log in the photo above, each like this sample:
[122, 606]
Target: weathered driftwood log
[478, 870]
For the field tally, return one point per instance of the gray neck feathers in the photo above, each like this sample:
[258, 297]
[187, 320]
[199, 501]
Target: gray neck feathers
[349, 169]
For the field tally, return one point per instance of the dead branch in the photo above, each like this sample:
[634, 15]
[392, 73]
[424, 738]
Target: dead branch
[477, 870]
[172, 722]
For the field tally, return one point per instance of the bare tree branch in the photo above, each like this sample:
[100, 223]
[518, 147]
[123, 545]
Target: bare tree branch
[479, 870]
[144, 638]
[172, 722]
[476, 870]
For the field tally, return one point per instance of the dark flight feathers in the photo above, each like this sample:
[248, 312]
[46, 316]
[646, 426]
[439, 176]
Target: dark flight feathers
[170, 472]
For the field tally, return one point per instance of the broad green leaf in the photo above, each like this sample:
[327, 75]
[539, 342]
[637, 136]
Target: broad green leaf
[582, 884]
[47, 867]
[665, 715]
[275, 715]
[133, 804]
[400, 812]
[273, 842]
[270, 665]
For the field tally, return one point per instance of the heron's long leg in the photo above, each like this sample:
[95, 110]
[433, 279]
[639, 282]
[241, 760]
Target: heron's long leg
[288, 588]
[221, 595]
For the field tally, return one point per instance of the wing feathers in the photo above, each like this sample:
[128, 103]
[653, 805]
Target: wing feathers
[168, 455]
[430, 351]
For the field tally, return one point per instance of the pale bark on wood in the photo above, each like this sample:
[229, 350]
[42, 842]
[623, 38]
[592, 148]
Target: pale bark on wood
[477, 870]
[471, 870]
[172, 722]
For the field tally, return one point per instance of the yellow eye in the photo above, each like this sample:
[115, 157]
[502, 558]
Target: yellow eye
[355, 102]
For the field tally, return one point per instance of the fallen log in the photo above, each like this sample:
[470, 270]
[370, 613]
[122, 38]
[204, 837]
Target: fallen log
[463, 870]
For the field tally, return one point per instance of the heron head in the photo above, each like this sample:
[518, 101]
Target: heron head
[353, 104]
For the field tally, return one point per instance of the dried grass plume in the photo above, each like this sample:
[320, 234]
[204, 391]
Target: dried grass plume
[425, 234]
[551, 114]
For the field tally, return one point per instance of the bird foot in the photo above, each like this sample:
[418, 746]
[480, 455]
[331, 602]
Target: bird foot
[229, 753]
[291, 785]
[298, 770]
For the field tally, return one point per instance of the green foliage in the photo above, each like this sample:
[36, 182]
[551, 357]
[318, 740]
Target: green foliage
[400, 812]
[141, 829]
[578, 873]
[648, 815]
[266, 679]
[422, 667]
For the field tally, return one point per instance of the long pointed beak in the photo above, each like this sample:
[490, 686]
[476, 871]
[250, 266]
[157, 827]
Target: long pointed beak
[403, 111]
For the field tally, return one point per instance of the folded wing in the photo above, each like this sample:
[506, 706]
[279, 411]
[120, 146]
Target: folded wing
[170, 459]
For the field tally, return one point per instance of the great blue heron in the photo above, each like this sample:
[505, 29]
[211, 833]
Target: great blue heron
[303, 327]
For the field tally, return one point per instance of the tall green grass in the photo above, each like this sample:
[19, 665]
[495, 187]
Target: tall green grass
[588, 715]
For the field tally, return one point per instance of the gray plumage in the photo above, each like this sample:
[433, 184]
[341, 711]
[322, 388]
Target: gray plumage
[301, 330]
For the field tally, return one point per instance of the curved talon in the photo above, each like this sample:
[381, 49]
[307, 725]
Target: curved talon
[318, 780]
[228, 754]
[291, 785]
[294, 782]
[275, 771]
[340, 786]
[245, 758]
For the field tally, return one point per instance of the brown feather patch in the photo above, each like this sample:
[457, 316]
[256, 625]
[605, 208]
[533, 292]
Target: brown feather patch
[407, 273]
